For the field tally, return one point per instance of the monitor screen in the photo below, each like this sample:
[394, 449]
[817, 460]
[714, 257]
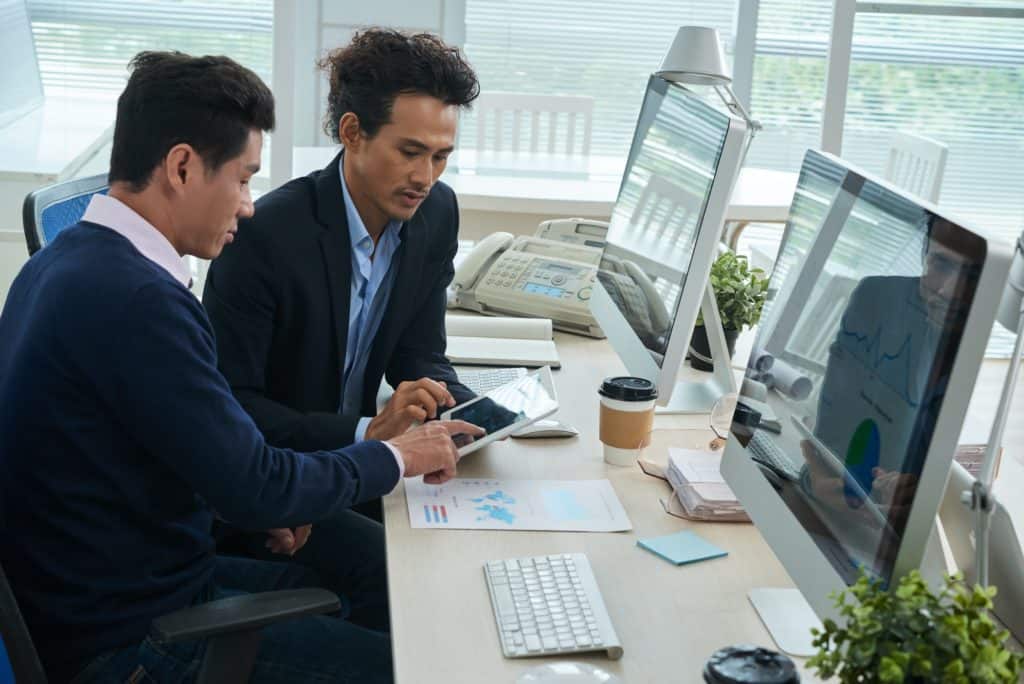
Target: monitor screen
[661, 203]
[871, 297]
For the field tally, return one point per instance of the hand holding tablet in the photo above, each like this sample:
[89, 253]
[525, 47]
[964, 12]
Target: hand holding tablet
[506, 409]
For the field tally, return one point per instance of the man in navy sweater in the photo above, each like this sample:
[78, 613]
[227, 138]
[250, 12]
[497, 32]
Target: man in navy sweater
[119, 438]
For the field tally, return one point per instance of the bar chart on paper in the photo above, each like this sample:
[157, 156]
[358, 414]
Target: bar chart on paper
[484, 504]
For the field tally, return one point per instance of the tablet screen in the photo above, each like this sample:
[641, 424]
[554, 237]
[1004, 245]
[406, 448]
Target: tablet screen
[524, 398]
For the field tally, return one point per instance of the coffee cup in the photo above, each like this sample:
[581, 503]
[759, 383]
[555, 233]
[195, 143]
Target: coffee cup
[748, 664]
[627, 414]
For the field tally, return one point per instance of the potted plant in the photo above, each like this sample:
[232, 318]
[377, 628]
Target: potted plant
[911, 634]
[740, 292]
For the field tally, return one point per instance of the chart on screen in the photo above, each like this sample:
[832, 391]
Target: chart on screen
[485, 504]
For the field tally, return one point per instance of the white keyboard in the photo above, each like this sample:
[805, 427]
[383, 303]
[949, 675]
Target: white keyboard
[483, 380]
[547, 605]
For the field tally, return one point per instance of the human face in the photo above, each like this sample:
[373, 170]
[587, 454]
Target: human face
[208, 210]
[939, 281]
[390, 174]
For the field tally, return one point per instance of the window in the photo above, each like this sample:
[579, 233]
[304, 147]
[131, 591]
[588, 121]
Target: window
[959, 80]
[83, 46]
[602, 48]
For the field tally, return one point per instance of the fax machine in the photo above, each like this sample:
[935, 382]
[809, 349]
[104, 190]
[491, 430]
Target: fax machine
[551, 275]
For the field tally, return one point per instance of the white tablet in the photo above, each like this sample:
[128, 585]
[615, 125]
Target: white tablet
[505, 409]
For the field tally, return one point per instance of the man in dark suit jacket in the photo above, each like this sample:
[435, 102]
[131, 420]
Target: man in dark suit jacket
[341, 276]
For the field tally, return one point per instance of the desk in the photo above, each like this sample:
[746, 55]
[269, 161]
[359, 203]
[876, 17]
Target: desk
[669, 619]
[589, 189]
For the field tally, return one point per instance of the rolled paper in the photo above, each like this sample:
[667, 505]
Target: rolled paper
[761, 360]
[790, 381]
[754, 389]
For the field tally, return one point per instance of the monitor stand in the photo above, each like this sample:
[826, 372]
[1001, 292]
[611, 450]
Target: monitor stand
[788, 617]
[696, 396]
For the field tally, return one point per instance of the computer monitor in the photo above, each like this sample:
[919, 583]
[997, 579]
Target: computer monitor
[663, 235]
[883, 307]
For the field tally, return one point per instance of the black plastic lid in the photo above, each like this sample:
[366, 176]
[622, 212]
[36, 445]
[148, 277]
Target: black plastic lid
[628, 388]
[748, 664]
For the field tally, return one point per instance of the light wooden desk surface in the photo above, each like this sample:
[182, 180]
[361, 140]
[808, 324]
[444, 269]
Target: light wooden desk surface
[669, 619]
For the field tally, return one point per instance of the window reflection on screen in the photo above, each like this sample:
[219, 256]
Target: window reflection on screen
[873, 320]
[661, 202]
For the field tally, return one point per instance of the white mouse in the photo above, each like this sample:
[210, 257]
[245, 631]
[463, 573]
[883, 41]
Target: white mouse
[546, 428]
[568, 673]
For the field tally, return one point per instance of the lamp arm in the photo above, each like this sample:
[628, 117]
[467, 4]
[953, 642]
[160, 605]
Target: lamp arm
[980, 498]
[734, 105]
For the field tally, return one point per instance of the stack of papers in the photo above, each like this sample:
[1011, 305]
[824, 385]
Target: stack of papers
[501, 341]
[696, 477]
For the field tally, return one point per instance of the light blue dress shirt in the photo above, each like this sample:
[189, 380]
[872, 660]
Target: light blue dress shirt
[372, 280]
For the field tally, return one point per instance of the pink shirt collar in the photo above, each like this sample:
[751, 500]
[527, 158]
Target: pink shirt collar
[150, 242]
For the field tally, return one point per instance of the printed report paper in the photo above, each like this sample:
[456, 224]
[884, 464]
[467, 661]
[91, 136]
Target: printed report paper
[487, 504]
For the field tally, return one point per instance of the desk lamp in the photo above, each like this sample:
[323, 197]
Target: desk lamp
[695, 58]
[980, 498]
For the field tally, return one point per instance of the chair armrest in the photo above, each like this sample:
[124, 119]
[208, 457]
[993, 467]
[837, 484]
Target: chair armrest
[242, 613]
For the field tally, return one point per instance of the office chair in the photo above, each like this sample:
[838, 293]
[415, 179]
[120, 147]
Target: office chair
[490, 111]
[49, 210]
[916, 164]
[233, 626]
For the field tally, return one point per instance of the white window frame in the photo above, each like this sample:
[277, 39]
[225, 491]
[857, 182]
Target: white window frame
[840, 52]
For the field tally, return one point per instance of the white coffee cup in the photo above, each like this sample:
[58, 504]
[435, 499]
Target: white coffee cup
[627, 415]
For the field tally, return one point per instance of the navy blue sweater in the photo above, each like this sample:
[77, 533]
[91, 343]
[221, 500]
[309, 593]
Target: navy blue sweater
[119, 437]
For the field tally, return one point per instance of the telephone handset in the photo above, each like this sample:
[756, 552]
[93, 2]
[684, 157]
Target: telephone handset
[636, 297]
[529, 276]
[472, 265]
[552, 278]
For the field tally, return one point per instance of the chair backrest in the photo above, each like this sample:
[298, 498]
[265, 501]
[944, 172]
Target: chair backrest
[815, 334]
[664, 206]
[21, 660]
[528, 115]
[49, 210]
[916, 164]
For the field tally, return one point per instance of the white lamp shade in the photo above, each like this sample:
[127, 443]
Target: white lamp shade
[696, 58]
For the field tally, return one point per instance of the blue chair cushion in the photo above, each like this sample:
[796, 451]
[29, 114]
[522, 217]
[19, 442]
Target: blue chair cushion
[60, 215]
[6, 674]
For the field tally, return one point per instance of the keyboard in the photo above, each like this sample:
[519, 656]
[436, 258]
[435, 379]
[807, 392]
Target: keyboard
[483, 380]
[764, 450]
[547, 605]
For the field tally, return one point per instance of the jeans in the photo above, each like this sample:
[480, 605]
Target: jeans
[310, 649]
[345, 552]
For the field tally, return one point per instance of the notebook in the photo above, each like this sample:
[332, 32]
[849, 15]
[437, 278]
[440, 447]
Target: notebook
[501, 341]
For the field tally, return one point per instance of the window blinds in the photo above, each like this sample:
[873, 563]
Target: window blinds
[83, 46]
[602, 48]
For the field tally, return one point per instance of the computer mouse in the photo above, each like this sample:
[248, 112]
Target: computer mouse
[546, 428]
[568, 673]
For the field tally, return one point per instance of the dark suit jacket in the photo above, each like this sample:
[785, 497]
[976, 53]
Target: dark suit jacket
[278, 298]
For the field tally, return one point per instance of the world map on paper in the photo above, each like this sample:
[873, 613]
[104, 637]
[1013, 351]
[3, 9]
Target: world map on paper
[490, 506]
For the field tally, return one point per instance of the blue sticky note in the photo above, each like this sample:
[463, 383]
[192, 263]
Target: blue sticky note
[681, 547]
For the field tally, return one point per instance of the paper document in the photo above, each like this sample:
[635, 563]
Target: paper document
[498, 326]
[696, 477]
[484, 504]
[501, 341]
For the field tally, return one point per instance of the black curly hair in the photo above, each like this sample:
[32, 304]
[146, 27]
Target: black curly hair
[379, 64]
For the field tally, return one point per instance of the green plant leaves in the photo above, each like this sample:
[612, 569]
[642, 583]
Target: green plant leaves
[912, 634]
[740, 291]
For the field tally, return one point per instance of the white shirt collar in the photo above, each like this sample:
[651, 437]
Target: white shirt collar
[150, 242]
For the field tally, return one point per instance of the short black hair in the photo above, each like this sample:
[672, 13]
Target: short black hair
[210, 103]
[379, 64]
